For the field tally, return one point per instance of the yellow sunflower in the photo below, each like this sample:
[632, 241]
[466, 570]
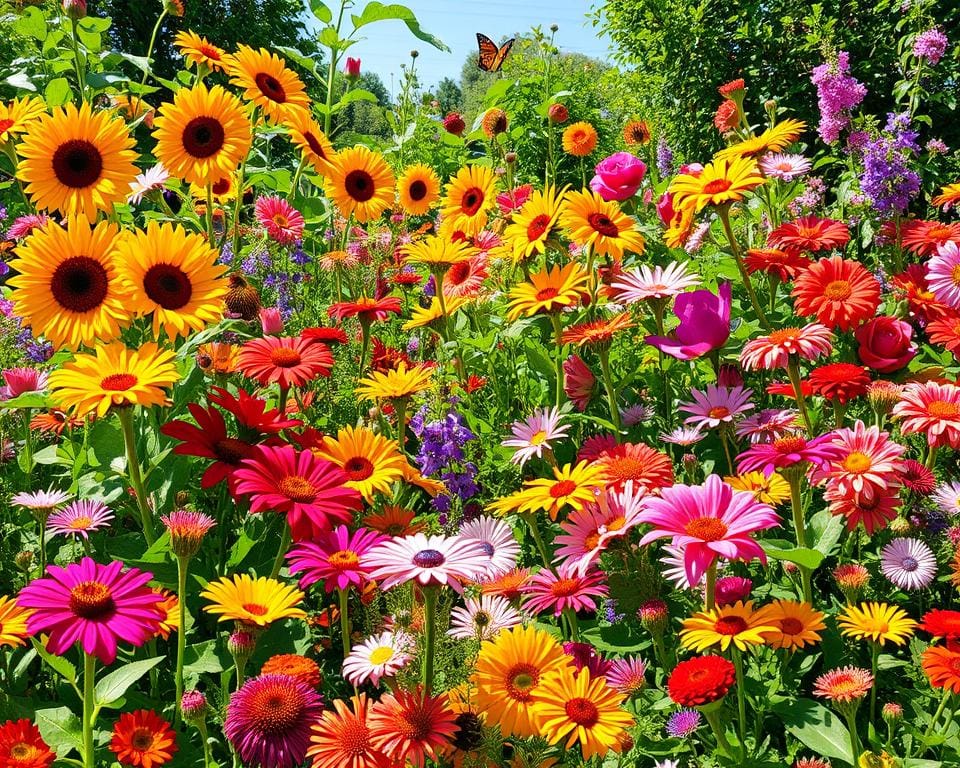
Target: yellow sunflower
[468, 199]
[360, 183]
[267, 82]
[372, 462]
[199, 51]
[17, 115]
[13, 622]
[795, 624]
[310, 139]
[527, 234]
[571, 486]
[418, 188]
[223, 190]
[549, 291]
[202, 135]
[720, 182]
[113, 375]
[437, 254]
[68, 286]
[736, 624]
[258, 602]
[774, 139]
[772, 489]
[877, 622]
[592, 222]
[395, 383]
[172, 275]
[77, 161]
[579, 139]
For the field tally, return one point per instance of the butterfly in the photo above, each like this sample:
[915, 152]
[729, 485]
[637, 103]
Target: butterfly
[491, 57]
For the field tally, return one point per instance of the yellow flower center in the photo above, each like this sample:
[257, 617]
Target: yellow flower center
[857, 462]
[381, 655]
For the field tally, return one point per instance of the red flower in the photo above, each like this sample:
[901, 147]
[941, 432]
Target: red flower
[874, 514]
[839, 292]
[291, 362]
[22, 746]
[209, 439]
[732, 89]
[727, 116]
[365, 309]
[917, 477]
[921, 302]
[941, 623]
[384, 358]
[809, 233]
[143, 739]
[251, 412]
[785, 388]
[885, 344]
[454, 123]
[924, 237]
[700, 680]
[840, 381]
[946, 332]
[513, 199]
[786, 265]
[475, 383]
[324, 335]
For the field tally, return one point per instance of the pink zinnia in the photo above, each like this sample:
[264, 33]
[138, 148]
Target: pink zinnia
[24, 225]
[933, 409]
[588, 532]
[578, 382]
[567, 588]
[716, 406]
[645, 283]
[708, 521]
[773, 351]
[866, 462]
[786, 452]
[283, 222]
[20, 381]
[95, 605]
[338, 559]
[427, 560]
[310, 491]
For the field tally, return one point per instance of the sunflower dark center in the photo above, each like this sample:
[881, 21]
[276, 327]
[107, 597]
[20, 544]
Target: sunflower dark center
[471, 201]
[92, 600]
[220, 187]
[791, 626]
[270, 87]
[168, 285]
[358, 468]
[359, 185]
[418, 190]
[232, 451]
[428, 558]
[79, 284]
[602, 224]
[203, 137]
[77, 163]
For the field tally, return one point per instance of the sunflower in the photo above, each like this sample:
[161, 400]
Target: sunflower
[437, 254]
[433, 315]
[223, 190]
[534, 223]
[17, 116]
[360, 183]
[579, 139]
[310, 139]
[469, 197]
[507, 675]
[592, 222]
[720, 182]
[77, 161]
[174, 276]
[199, 51]
[877, 622]
[259, 602]
[13, 622]
[418, 188]
[549, 291]
[396, 383]
[795, 624]
[372, 462]
[68, 285]
[202, 135]
[775, 139]
[726, 625]
[113, 376]
[767, 489]
[267, 82]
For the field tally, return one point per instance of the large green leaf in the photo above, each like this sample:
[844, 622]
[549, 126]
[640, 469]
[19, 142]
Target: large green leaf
[808, 558]
[817, 727]
[379, 12]
[827, 529]
[57, 93]
[321, 11]
[59, 664]
[31, 23]
[114, 685]
[60, 728]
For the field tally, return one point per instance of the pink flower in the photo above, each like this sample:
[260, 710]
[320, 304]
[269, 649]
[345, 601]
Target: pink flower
[496, 539]
[79, 518]
[942, 271]
[514, 199]
[20, 381]
[773, 350]
[665, 208]
[866, 463]
[716, 406]
[587, 532]
[377, 657]
[283, 222]
[338, 559]
[619, 176]
[567, 588]
[271, 321]
[708, 521]
[731, 589]
[627, 675]
[704, 324]
[645, 283]
[427, 560]
[352, 68]
[786, 452]
[578, 382]
[768, 425]
[95, 605]
[933, 409]
[532, 437]
[885, 344]
[24, 225]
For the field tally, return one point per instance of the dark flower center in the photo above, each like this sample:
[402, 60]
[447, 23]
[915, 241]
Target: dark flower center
[92, 600]
[203, 137]
[730, 625]
[359, 185]
[232, 451]
[168, 285]
[270, 87]
[142, 739]
[79, 284]
[602, 224]
[471, 201]
[77, 163]
[428, 558]
[417, 190]
[358, 468]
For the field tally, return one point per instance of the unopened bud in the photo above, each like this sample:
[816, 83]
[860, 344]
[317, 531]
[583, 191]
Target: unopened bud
[510, 158]
[75, 9]
[194, 707]
[24, 560]
[892, 712]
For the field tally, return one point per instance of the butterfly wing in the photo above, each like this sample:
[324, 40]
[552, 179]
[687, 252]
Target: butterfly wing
[502, 54]
[488, 53]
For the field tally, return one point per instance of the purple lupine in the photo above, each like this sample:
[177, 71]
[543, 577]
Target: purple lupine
[664, 157]
[837, 94]
[887, 179]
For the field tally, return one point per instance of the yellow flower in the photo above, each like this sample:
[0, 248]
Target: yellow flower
[267, 82]
[223, 190]
[418, 188]
[199, 51]
[13, 622]
[949, 195]
[720, 182]
[432, 315]
[571, 486]
[774, 139]
[533, 224]
[738, 625]
[371, 462]
[877, 622]
[437, 254]
[795, 624]
[310, 139]
[395, 383]
[360, 183]
[579, 139]
[17, 116]
[772, 489]
[469, 197]
[548, 291]
[258, 602]
[598, 224]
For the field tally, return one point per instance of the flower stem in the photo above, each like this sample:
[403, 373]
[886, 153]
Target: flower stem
[207, 755]
[604, 354]
[281, 553]
[724, 213]
[793, 372]
[573, 624]
[933, 722]
[874, 657]
[558, 336]
[182, 565]
[430, 595]
[77, 63]
[741, 702]
[709, 597]
[364, 346]
[344, 621]
[717, 727]
[538, 540]
[89, 678]
[854, 738]
[209, 216]
[400, 406]
[146, 71]
[133, 470]
[800, 529]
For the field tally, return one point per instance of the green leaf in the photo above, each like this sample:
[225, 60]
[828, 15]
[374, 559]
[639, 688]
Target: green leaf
[57, 93]
[817, 727]
[59, 664]
[60, 728]
[379, 12]
[31, 23]
[808, 558]
[827, 528]
[200, 659]
[357, 94]
[114, 685]
[299, 58]
[320, 10]
[27, 399]
[94, 24]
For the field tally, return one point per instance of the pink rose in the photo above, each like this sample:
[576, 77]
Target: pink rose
[618, 176]
[885, 344]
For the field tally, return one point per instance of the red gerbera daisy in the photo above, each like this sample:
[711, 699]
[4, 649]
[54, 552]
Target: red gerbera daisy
[22, 746]
[143, 738]
[785, 388]
[839, 292]
[840, 381]
[309, 490]
[874, 513]
[208, 438]
[465, 278]
[924, 237]
[384, 358]
[647, 467]
[946, 331]
[251, 412]
[324, 335]
[700, 680]
[291, 362]
[941, 623]
[917, 477]
[785, 265]
[411, 727]
[365, 309]
[921, 301]
[809, 233]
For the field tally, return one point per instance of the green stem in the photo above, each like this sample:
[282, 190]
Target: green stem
[364, 346]
[146, 71]
[207, 754]
[89, 679]
[741, 703]
[724, 213]
[430, 595]
[874, 656]
[854, 737]
[281, 553]
[331, 72]
[241, 180]
[296, 176]
[558, 336]
[933, 722]
[344, 620]
[717, 727]
[77, 63]
[793, 372]
[724, 440]
[604, 354]
[538, 540]
[209, 216]
[400, 406]
[709, 597]
[800, 529]
[182, 565]
[133, 470]
[573, 624]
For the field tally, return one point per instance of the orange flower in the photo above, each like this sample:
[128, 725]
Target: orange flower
[839, 292]
[22, 746]
[293, 665]
[942, 667]
[394, 521]
[579, 139]
[143, 738]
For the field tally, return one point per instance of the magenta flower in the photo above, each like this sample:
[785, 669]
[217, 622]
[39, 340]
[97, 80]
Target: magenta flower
[786, 452]
[95, 605]
[427, 560]
[708, 521]
[619, 176]
[79, 518]
[338, 559]
[704, 324]
[283, 222]
[567, 588]
[20, 381]
[628, 675]
[716, 406]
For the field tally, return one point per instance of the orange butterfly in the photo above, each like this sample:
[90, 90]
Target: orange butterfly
[491, 57]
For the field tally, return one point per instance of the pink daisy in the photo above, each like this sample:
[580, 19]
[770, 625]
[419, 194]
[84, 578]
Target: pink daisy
[497, 541]
[683, 436]
[578, 382]
[79, 518]
[310, 491]
[674, 567]
[338, 559]
[645, 283]
[865, 462]
[377, 657]
[709, 521]
[482, 618]
[595, 445]
[40, 503]
[23, 225]
[283, 222]
[768, 425]
[567, 588]
[465, 278]
[942, 275]
[151, 179]
[532, 437]
[587, 532]
[627, 675]
[20, 381]
[95, 605]
[773, 351]
[716, 406]
[433, 560]
[784, 167]
[786, 452]
[933, 409]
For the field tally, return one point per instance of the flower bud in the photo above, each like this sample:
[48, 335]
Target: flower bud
[892, 712]
[241, 645]
[194, 707]
[271, 321]
[352, 68]
[558, 113]
[654, 616]
[852, 579]
[414, 53]
[510, 158]
[24, 560]
[75, 9]
[554, 27]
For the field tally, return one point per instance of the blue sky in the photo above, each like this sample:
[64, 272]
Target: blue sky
[388, 43]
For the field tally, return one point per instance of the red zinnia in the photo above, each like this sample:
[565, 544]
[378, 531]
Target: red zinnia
[917, 477]
[291, 362]
[22, 746]
[942, 623]
[324, 335]
[839, 292]
[309, 490]
[785, 265]
[924, 238]
[809, 233]
[700, 680]
[840, 381]
[733, 88]
[410, 727]
[365, 309]
[143, 739]
[727, 116]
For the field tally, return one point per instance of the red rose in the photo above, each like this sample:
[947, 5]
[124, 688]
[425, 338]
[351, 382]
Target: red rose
[885, 344]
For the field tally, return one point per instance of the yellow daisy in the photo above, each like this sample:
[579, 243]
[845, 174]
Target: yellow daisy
[738, 625]
[258, 602]
[877, 622]
[372, 462]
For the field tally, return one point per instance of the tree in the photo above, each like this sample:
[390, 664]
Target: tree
[365, 118]
[449, 95]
